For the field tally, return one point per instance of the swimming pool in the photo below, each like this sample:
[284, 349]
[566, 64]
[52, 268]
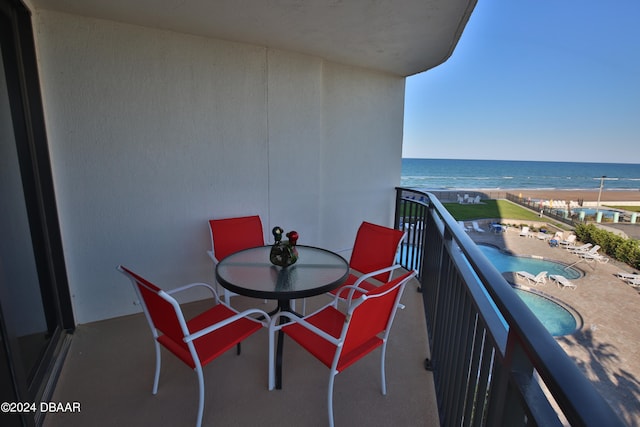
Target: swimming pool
[557, 319]
[553, 315]
[592, 212]
[505, 262]
[589, 213]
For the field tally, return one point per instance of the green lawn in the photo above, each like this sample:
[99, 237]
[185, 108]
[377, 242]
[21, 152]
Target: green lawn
[490, 209]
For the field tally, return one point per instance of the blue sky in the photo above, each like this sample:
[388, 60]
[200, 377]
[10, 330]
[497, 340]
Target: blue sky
[555, 80]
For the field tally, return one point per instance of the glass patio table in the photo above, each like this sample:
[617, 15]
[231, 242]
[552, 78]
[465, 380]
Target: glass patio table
[250, 273]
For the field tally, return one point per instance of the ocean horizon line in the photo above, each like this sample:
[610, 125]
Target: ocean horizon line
[500, 175]
[521, 160]
[507, 189]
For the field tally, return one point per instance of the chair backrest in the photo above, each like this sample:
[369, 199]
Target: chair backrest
[375, 248]
[162, 310]
[373, 312]
[231, 235]
[541, 276]
[594, 250]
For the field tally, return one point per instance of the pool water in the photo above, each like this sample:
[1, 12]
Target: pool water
[555, 318]
[505, 262]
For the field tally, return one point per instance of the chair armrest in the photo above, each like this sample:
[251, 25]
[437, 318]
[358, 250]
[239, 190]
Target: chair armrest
[273, 326]
[348, 299]
[351, 288]
[212, 256]
[375, 273]
[227, 321]
[193, 285]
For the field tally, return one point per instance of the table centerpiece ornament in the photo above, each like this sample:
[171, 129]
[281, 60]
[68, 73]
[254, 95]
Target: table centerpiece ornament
[284, 253]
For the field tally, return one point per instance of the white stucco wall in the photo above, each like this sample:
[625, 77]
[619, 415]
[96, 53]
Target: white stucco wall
[152, 133]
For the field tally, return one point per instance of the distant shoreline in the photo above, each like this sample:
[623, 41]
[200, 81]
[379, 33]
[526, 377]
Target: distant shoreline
[607, 196]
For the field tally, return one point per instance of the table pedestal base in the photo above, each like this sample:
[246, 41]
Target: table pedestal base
[283, 305]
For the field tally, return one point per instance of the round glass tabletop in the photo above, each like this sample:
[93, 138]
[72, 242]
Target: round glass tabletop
[250, 273]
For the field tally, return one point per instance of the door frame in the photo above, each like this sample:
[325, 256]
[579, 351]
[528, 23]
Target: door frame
[25, 100]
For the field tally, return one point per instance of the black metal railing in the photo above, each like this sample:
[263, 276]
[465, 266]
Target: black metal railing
[493, 362]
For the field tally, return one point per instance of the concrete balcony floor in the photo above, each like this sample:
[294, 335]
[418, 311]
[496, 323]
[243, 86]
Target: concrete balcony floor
[110, 365]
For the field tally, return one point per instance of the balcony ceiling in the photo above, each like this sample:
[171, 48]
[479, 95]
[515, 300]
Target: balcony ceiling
[401, 37]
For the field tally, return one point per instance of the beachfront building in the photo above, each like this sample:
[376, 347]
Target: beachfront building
[128, 124]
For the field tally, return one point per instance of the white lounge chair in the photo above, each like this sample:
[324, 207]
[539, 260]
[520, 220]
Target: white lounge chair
[464, 226]
[587, 252]
[476, 200]
[562, 281]
[580, 249]
[525, 232]
[627, 276]
[590, 257]
[543, 236]
[476, 227]
[538, 279]
[593, 255]
[635, 283]
[570, 241]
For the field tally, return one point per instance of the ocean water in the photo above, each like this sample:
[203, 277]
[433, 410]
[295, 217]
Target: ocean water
[446, 174]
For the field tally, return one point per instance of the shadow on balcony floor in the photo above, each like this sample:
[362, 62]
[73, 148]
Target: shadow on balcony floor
[109, 371]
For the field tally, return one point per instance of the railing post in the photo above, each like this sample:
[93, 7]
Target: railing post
[396, 219]
[432, 272]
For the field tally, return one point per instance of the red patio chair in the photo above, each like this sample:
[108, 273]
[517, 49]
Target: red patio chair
[374, 253]
[340, 339]
[198, 341]
[231, 235]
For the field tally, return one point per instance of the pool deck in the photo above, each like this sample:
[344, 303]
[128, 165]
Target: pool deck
[607, 347]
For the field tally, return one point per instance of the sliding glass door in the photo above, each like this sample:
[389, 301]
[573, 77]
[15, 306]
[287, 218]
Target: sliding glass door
[35, 312]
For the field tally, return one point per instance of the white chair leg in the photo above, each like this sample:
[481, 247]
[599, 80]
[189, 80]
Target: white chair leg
[156, 377]
[218, 288]
[201, 397]
[227, 297]
[382, 374]
[272, 374]
[332, 377]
